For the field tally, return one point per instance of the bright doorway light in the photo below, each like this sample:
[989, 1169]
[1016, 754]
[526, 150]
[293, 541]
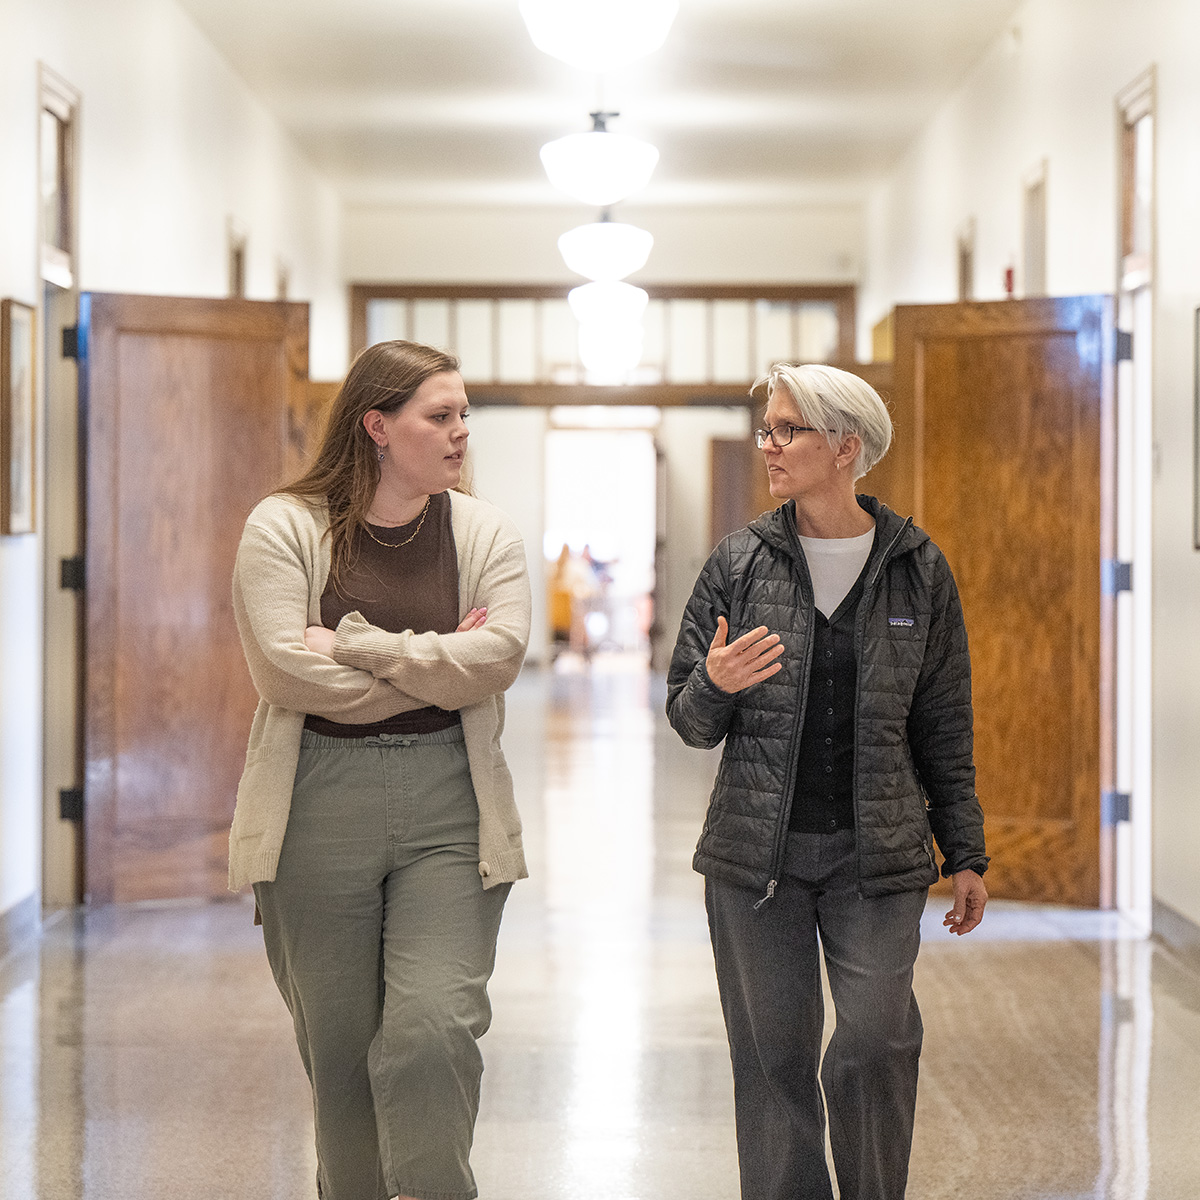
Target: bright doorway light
[600, 536]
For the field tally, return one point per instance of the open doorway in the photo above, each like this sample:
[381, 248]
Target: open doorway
[600, 536]
[509, 465]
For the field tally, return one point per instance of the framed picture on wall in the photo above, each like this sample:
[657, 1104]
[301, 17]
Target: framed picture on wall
[17, 453]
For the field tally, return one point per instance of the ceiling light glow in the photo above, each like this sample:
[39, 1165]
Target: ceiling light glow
[599, 168]
[607, 303]
[610, 352]
[605, 250]
[598, 37]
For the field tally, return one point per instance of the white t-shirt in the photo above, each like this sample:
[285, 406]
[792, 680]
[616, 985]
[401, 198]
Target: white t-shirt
[834, 564]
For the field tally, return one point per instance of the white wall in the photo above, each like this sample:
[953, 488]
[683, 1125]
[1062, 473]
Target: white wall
[171, 145]
[1048, 92]
[685, 437]
[710, 245]
[507, 468]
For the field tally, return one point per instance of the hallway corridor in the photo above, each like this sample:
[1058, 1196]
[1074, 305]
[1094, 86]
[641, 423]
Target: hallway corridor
[145, 1054]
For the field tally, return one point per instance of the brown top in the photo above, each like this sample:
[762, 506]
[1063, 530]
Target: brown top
[396, 586]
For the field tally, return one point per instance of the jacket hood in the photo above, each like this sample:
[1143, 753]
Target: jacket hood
[777, 528]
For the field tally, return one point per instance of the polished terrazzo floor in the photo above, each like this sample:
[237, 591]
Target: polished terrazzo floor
[144, 1052]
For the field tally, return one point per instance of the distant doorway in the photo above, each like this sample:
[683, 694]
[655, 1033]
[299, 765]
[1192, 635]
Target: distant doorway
[599, 543]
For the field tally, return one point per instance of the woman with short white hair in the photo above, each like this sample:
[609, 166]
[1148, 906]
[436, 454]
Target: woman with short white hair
[825, 645]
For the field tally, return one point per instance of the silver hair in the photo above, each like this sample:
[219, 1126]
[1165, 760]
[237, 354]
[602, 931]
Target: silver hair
[836, 401]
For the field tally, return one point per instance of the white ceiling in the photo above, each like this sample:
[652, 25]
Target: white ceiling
[437, 102]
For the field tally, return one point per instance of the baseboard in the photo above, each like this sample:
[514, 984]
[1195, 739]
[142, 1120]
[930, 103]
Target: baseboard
[19, 924]
[1178, 932]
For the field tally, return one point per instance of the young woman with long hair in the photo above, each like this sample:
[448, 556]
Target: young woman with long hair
[383, 615]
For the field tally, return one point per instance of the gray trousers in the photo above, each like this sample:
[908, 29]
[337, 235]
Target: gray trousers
[382, 939]
[769, 976]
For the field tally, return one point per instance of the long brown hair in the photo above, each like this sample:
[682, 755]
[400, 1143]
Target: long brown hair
[345, 472]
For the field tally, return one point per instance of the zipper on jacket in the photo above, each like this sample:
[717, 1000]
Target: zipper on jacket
[785, 807]
[859, 631]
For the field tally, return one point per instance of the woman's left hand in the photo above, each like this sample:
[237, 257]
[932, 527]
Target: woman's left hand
[970, 897]
[319, 640]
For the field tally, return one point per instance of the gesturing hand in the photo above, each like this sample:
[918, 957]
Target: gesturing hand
[748, 661]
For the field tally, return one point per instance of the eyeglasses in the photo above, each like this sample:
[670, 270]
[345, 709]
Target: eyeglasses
[781, 435]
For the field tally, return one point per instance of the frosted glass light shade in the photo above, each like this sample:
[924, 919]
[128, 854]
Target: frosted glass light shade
[607, 303]
[599, 168]
[605, 250]
[609, 352]
[596, 37]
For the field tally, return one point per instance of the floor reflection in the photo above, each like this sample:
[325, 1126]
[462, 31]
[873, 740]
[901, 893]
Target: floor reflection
[144, 1052]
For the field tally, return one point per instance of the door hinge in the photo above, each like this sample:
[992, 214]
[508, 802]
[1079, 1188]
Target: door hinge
[1116, 576]
[70, 804]
[1114, 807]
[70, 341]
[1124, 345]
[71, 575]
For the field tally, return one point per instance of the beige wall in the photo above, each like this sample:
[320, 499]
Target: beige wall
[171, 145]
[1048, 93]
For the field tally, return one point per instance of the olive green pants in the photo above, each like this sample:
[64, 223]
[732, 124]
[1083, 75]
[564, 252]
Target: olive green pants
[382, 939]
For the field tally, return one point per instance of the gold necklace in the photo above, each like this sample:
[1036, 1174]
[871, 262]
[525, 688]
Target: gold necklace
[397, 545]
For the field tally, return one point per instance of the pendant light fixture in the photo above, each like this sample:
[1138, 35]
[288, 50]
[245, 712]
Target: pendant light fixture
[598, 37]
[610, 352]
[607, 303]
[610, 328]
[599, 167]
[605, 249]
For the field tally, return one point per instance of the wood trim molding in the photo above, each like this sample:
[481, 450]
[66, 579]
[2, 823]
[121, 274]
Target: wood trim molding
[843, 295]
[656, 395]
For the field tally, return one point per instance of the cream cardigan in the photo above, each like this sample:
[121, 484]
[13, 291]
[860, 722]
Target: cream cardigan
[281, 570]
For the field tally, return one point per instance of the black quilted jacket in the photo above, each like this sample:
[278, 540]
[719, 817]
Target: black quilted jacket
[914, 777]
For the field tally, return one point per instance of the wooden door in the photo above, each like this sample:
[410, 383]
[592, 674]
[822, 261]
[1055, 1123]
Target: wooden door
[1000, 409]
[187, 405]
[739, 485]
